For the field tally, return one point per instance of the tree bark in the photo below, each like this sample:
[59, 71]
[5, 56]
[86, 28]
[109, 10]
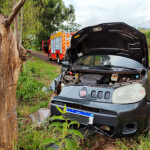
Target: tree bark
[11, 60]
[16, 31]
[21, 27]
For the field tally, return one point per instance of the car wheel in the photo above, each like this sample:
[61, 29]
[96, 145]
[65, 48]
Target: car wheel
[50, 59]
[58, 60]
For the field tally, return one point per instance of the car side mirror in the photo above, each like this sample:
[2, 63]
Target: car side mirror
[66, 64]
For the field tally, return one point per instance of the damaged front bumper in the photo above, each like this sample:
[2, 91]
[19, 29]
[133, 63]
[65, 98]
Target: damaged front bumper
[122, 120]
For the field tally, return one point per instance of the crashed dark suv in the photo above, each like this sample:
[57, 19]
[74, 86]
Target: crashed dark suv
[105, 82]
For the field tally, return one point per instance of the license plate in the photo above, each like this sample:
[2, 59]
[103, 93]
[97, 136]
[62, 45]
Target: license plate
[80, 116]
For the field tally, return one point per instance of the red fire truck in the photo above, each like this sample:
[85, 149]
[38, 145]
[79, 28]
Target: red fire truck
[56, 46]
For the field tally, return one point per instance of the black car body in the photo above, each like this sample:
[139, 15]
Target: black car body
[106, 80]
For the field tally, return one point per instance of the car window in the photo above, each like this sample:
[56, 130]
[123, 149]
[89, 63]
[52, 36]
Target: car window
[108, 60]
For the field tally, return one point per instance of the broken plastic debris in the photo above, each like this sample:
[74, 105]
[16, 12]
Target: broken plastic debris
[40, 116]
[44, 89]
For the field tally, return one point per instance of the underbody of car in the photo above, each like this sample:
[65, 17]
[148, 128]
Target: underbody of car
[105, 82]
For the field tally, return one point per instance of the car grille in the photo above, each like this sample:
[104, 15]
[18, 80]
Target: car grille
[91, 109]
[103, 111]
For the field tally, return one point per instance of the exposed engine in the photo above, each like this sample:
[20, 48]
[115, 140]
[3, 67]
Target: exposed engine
[92, 79]
[99, 79]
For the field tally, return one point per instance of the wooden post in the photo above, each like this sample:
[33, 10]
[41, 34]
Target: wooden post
[11, 60]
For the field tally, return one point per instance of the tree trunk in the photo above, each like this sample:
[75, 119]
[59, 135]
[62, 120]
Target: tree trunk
[16, 31]
[11, 60]
[21, 27]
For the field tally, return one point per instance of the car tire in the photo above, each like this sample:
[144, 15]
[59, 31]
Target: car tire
[50, 59]
[58, 60]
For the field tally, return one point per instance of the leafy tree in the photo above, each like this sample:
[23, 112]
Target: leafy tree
[6, 6]
[1, 6]
[53, 14]
[71, 27]
[141, 29]
[41, 18]
[31, 22]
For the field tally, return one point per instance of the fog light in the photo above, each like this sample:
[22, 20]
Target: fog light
[130, 127]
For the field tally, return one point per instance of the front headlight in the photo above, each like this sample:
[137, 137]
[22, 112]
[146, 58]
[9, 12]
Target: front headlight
[128, 94]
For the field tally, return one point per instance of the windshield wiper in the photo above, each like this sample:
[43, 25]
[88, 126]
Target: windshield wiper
[99, 67]
[119, 67]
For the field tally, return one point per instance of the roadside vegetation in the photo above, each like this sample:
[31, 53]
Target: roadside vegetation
[41, 18]
[36, 50]
[34, 76]
[147, 34]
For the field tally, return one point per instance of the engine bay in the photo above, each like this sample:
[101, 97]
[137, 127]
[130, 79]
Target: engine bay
[91, 79]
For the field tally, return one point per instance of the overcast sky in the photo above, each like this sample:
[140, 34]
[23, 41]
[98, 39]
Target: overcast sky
[91, 12]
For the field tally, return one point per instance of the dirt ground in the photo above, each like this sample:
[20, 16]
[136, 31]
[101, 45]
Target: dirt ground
[98, 142]
[44, 57]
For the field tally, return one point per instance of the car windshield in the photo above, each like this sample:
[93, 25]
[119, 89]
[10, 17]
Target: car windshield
[108, 61]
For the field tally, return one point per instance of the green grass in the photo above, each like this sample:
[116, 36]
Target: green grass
[37, 51]
[139, 142]
[34, 76]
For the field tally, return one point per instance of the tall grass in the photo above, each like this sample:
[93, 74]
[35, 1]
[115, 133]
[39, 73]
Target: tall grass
[34, 76]
[29, 87]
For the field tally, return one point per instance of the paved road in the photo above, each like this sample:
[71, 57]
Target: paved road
[44, 57]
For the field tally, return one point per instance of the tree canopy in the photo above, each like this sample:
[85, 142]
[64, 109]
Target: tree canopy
[53, 14]
[41, 18]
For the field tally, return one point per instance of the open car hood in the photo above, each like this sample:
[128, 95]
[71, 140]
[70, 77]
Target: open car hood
[109, 38]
